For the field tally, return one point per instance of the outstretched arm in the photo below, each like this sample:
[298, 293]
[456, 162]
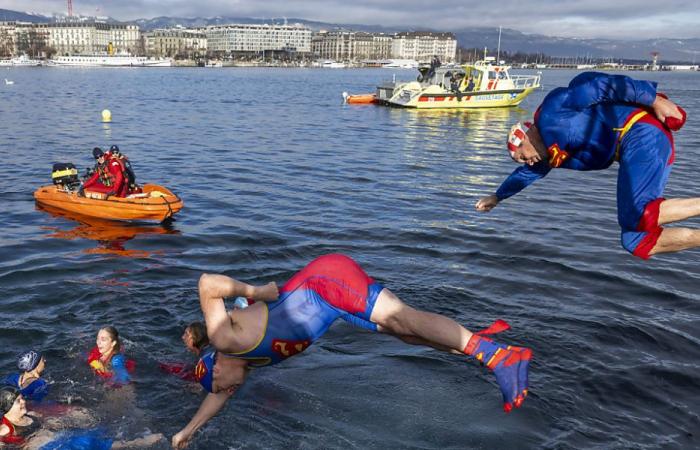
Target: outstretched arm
[211, 405]
[521, 178]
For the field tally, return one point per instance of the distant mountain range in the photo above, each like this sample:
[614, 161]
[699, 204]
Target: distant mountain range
[670, 50]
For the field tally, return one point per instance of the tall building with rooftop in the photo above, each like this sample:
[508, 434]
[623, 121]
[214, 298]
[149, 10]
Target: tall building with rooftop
[250, 38]
[423, 45]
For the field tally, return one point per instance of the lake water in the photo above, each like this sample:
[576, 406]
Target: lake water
[274, 171]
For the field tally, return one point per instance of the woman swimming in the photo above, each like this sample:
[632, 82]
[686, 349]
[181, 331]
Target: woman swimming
[29, 381]
[106, 358]
[19, 428]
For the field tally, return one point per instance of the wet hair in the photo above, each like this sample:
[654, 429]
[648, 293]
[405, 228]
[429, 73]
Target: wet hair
[8, 395]
[114, 334]
[198, 331]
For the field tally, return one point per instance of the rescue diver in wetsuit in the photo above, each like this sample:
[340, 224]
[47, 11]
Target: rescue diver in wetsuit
[108, 176]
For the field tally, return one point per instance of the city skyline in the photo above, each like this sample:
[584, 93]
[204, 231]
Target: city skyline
[593, 19]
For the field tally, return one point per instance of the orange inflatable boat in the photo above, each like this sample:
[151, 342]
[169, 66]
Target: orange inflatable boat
[359, 98]
[155, 203]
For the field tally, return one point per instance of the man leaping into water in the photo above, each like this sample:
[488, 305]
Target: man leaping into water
[284, 323]
[598, 119]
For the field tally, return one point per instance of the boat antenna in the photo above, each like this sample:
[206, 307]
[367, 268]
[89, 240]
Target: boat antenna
[498, 52]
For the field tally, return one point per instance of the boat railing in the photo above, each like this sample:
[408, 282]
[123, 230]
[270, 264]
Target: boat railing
[525, 81]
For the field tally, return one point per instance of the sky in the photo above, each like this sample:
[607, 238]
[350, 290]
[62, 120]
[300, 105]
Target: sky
[624, 19]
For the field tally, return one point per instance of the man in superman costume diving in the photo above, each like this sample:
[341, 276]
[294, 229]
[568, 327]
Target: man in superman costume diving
[596, 120]
[282, 323]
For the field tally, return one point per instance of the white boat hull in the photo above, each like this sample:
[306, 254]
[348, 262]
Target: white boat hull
[109, 61]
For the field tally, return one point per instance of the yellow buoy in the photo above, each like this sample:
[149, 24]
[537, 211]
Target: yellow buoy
[106, 115]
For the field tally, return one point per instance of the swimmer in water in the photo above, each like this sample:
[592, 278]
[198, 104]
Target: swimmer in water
[195, 338]
[196, 341]
[106, 358]
[283, 323]
[29, 381]
[20, 428]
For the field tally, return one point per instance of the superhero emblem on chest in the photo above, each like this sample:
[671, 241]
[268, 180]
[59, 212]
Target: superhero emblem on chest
[286, 348]
[556, 155]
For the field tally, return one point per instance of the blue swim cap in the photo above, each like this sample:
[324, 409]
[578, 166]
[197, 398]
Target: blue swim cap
[204, 371]
[28, 360]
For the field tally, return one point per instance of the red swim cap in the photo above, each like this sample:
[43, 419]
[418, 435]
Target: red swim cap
[516, 136]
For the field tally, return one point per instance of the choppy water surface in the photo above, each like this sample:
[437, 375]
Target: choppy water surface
[275, 171]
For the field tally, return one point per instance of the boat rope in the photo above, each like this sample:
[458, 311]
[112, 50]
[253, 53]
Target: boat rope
[170, 210]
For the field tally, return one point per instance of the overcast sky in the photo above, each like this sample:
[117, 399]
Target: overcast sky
[629, 19]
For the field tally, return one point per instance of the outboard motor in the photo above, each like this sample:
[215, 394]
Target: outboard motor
[65, 175]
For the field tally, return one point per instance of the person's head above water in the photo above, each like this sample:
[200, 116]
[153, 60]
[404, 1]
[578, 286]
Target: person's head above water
[108, 341]
[30, 360]
[10, 400]
[213, 373]
[195, 337]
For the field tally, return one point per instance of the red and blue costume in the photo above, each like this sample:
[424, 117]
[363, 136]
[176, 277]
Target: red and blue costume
[35, 391]
[597, 119]
[335, 286]
[118, 369]
[330, 287]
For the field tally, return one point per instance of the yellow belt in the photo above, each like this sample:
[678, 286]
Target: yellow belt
[635, 118]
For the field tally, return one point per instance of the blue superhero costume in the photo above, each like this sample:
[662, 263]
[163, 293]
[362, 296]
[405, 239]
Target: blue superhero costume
[334, 286]
[330, 287]
[35, 391]
[597, 119]
[80, 440]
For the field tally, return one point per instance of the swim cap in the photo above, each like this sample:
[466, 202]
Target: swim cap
[204, 370]
[516, 136]
[8, 395]
[97, 152]
[28, 360]
[241, 302]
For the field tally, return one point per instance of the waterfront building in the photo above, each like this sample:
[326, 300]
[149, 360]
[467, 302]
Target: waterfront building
[423, 45]
[17, 38]
[180, 42]
[68, 38]
[87, 38]
[351, 45]
[249, 39]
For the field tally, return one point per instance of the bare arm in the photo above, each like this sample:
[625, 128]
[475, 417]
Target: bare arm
[213, 289]
[211, 405]
[221, 286]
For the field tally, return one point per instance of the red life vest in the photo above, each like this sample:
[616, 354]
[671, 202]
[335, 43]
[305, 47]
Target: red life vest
[11, 437]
